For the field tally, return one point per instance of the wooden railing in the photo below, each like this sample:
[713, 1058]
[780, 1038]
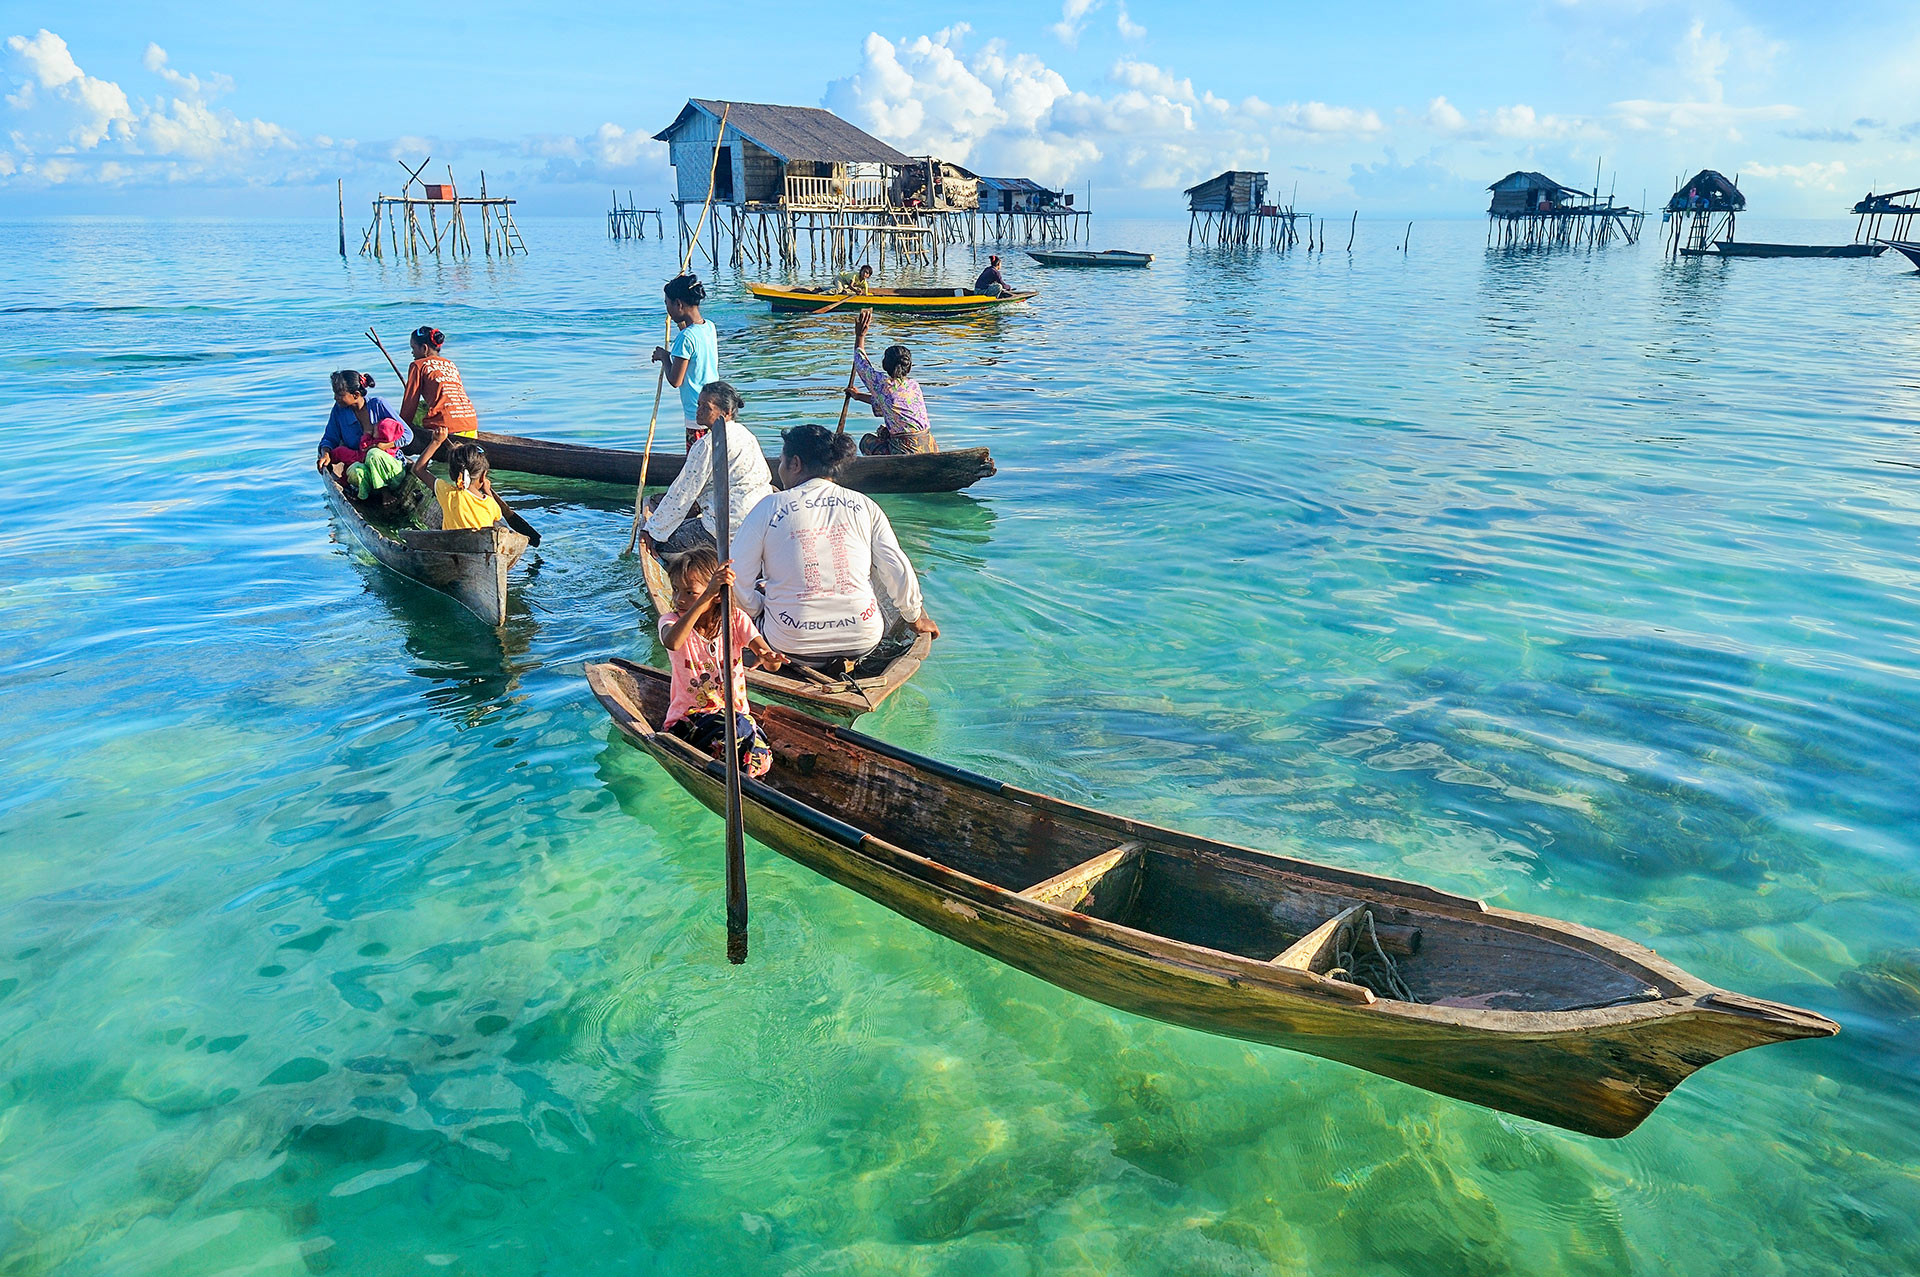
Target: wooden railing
[836, 192]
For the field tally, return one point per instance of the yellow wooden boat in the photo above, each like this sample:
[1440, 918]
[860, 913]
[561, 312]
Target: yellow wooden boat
[936, 300]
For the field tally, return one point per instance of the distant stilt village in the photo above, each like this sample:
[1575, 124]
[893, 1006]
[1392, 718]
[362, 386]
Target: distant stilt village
[776, 183]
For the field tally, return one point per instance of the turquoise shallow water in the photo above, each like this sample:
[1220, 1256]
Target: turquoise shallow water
[339, 934]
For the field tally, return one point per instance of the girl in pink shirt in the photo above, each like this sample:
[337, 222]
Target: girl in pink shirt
[696, 713]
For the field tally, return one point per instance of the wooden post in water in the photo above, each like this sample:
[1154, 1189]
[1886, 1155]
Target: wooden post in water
[340, 186]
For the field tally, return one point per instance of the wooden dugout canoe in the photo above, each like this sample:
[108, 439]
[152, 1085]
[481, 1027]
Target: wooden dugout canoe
[927, 300]
[842, 702]
[1596, 1030]
[1731, 248]
[908, 472]
[1087, 257]
[1908, 248]
[469, 567]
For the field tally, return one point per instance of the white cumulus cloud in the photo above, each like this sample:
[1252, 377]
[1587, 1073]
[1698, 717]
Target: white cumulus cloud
[1010, 114]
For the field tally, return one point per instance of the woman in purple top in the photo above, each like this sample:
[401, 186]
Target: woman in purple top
[894, 396]
[355, 413]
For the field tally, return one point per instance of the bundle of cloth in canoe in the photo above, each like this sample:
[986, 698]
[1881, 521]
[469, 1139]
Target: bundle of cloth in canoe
[825, 599]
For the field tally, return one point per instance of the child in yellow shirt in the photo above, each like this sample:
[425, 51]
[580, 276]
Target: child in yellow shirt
[467, 503]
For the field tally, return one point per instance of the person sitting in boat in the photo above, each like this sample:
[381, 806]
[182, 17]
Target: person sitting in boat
[467, 502]
[893, 395]
[991, 282]
[854, 283]
[354, 413]
[435, 399]
[693, 359]
[696, 712]
[748, 479]
[809, 556]
[381, 466]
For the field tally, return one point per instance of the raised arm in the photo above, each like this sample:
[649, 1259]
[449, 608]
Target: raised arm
[426, 454]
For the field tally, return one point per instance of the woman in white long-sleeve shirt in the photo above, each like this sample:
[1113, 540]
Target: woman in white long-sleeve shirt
[748, 479]
[806, 559]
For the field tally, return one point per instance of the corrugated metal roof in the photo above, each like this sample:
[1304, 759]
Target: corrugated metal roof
[793, 132]
[1019, 184]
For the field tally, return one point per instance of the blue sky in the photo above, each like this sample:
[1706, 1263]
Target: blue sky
[1394, 108]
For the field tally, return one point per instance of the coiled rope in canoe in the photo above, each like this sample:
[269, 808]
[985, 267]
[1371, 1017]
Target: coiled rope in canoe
[1359, 959]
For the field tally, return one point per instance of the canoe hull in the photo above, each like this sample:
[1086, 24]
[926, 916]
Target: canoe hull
[795, 300]
[841, 705]
[908, 472]
[469, 567]
[1731, 249]
[1599, 1071]
[1908, 248]
[1071, 257]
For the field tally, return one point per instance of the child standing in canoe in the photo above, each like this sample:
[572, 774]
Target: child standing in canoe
[434, 399]
[693, 359]
[691, 633]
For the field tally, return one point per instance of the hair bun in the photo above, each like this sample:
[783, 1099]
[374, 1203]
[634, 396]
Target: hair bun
[366, 381]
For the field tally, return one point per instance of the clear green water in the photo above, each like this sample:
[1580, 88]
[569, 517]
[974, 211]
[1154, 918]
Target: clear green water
[337, 934]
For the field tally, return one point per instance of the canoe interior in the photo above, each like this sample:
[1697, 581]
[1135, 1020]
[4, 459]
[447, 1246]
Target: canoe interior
[1183, 889]
[469, 566]
[899, 655]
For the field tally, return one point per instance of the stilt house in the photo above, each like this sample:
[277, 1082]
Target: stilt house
[1018, 195]
[794, 157]
[1525, 192]
[1708, 192]
[1238, 191]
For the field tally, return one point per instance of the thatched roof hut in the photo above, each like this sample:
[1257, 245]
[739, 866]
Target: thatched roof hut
[1707, 191]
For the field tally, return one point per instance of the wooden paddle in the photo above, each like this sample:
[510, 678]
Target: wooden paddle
[686, 260]
[507, 512]
[736, 849]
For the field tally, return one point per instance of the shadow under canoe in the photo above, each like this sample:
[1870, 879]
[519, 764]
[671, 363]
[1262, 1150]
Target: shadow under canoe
[1564, 1024]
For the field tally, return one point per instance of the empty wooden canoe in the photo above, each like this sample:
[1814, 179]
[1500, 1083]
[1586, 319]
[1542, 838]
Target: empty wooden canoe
[1544, 1019]
[842, 699]
[931, 300]
[1087, 257]
[909, 472]
[470, 567]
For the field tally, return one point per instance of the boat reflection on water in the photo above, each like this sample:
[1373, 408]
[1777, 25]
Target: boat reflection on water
[472, 671]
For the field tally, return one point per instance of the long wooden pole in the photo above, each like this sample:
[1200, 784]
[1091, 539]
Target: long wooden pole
[660, 385]
[736, 848]
[340, 186]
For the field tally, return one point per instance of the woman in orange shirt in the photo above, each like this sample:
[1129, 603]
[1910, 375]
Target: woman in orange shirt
[434, 399]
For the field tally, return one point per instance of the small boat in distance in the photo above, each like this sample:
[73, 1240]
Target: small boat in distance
[1910, 248]
[1087, 257]
[931, 300]
[1544, 1019]
[839, 700]
[1732, 248]
[468, 566]
[947, 471]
